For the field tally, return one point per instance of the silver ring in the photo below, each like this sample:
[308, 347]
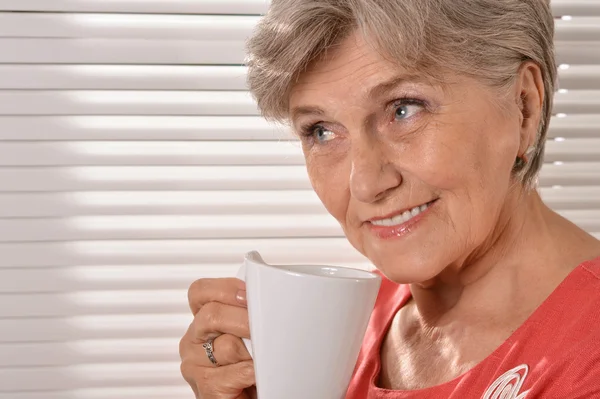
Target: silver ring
[208, 348]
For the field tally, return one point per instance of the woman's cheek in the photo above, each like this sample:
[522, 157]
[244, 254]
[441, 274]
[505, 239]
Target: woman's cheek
[330, 181]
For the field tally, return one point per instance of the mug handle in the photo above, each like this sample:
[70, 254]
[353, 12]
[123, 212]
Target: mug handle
[241, 274]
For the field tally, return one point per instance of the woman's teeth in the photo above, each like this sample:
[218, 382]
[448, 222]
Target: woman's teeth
[403, 218]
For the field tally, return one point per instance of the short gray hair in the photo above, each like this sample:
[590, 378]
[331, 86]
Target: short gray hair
[485, 39]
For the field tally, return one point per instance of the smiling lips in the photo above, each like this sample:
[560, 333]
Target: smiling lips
[399, 224]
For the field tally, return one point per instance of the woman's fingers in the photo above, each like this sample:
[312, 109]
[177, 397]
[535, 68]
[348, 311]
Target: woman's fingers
[227, 349]
[226, 382]
[228, 291]
[220, 314]
[215, 319]
[225, 324]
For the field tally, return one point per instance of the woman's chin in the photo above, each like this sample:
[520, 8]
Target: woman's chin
[408, 269]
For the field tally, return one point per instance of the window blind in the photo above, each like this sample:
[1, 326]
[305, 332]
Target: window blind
[133, 161]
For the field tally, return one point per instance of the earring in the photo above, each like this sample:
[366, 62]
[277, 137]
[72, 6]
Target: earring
[519, 164]
[522, 160]
[528, 153]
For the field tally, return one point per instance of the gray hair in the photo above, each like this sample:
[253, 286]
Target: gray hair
[485, 39]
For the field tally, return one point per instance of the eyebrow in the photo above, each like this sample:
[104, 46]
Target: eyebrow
[306, 110]
[377, 91]
[384, 87]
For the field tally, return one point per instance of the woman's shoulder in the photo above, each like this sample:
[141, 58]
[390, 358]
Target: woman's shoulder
[578, 297]
[567, 339]
[593, 267]
[583, 284]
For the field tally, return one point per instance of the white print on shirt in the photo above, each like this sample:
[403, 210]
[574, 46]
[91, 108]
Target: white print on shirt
[508, 385]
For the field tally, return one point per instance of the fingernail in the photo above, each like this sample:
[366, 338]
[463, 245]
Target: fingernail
[241, 297]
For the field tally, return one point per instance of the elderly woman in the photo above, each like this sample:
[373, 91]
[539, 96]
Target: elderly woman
[423, 125]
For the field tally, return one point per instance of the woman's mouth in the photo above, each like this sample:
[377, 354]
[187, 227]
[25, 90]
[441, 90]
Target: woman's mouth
[401, 223]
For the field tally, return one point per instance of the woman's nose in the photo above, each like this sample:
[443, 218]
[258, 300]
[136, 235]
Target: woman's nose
[372, 175]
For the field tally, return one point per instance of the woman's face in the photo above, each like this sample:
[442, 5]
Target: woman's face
[418, 175]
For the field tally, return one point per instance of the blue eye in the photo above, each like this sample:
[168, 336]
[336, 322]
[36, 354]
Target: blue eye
[322, 134]
[405, 111]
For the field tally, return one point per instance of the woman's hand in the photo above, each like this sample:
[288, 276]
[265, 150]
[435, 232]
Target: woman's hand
[220, 314]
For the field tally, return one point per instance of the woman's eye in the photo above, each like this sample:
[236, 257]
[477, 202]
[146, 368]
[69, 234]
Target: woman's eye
[322, 134]
[406, 111]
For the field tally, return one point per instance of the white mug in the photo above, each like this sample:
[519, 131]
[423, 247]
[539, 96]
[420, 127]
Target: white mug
[307, 324]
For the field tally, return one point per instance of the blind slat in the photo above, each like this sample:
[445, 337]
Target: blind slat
[141, 392]
[126, 103]
[573, 150]
[113, 51]
[92, 303]
[97, 351]
[577, 102]
[88, 376]
[578, 52]
[151, 153]
[575, 126]
[571, 174]
[93, 327]
[143, 128]
[156, 202]
[576, 7]
[137, 6]
[578, 29]
[122, 77]
[336, 251]
[39, 179]
[138, 227]
[580, 77]
[572, 197]
[127, 26]
[98, 278]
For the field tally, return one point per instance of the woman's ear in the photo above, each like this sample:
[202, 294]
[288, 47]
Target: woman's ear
[529, 95]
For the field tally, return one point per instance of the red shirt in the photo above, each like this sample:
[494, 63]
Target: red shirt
[554, 354]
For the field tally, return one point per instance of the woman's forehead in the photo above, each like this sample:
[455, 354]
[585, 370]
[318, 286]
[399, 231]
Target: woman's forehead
[354, 66]
[352, 57]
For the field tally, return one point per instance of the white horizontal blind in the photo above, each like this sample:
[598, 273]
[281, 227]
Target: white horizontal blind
[133, 161]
